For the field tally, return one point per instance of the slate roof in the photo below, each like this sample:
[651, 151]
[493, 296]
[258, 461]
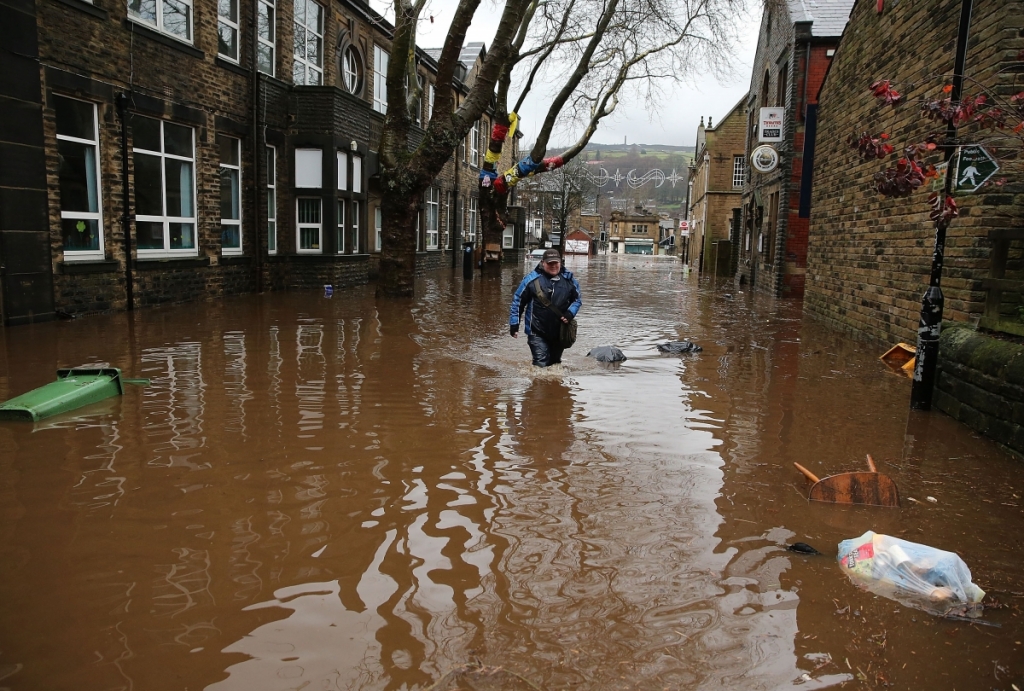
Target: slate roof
[828, 17]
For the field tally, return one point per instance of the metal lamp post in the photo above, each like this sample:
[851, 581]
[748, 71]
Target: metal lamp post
[930, 326]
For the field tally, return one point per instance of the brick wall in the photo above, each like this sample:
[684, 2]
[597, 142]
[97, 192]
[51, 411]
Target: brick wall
[868, 256]
[784, 50]
[981, 384]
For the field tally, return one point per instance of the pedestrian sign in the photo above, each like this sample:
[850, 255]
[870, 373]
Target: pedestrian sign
[974, 166]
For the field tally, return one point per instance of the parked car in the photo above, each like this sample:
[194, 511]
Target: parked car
[536, 254]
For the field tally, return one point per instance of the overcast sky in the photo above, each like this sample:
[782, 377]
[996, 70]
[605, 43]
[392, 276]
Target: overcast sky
[674, 123]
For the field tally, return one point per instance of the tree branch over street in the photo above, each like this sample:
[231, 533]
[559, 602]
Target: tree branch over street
[590, 54]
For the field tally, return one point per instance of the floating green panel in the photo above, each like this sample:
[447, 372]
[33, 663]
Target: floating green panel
[73, 389]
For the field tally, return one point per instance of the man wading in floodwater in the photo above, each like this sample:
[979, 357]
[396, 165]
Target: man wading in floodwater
[543, 324]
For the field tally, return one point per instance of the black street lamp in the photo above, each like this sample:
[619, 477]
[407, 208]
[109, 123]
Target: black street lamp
[930, 326]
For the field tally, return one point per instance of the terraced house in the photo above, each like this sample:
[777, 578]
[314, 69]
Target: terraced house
[160, 151]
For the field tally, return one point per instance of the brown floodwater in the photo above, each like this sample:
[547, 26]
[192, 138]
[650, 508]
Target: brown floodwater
[352, 493]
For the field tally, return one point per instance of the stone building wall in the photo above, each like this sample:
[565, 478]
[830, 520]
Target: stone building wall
[869, 256]
[981, 384]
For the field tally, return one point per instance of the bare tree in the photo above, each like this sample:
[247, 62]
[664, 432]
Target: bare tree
[594, 51]
[568, 188]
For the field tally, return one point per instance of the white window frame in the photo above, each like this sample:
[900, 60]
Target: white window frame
[269, 45]
[342, 171]
[378, 225]
[538, 227]
[472, 217]
[448, 225]
[739, 171]
[271, 152]
[309, 225]
[357, 174]
[226, 24]
[430, 101]
[312, 71]
[165, 219]
[508, 236]
[158, 9]
[433, 217]
[83, 255]
[355, 226]
[474, 144]
[380, 79]
[237, 222]
[309, 168]
[351, 72]
[339, 237]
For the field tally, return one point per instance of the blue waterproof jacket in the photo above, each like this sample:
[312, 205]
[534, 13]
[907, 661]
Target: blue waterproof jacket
[562, 290]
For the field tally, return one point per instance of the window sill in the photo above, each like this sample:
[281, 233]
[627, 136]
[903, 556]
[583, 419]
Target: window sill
[226, 64]
[163, 264]
[86, 7]
[151, 33]
[91, 266]
[235, 260]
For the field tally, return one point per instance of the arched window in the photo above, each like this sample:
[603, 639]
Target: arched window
[765, 85]
[780, 97]
[351, 68]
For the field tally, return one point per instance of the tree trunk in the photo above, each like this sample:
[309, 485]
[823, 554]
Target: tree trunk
[399, 209]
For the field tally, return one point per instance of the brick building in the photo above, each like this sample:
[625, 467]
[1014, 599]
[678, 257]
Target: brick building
[717, 177]
[795, 45]
[236, 138]
[870, 256]
[633, 233]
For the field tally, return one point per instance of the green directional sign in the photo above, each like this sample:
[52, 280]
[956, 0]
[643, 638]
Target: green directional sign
[974, 167]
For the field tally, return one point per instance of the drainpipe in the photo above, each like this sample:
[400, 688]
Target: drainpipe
[707, 200]
[257, 150]
[930, 326]
[121, 101]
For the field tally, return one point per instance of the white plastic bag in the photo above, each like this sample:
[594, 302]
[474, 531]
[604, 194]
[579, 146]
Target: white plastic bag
[916, 575]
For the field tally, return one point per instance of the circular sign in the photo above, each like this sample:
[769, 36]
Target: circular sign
[764, 158]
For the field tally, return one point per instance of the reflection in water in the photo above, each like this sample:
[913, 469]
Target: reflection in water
[174, 403]
[352, 494]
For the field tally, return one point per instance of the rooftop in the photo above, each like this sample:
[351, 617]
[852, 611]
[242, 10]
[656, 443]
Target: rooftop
[828, 17]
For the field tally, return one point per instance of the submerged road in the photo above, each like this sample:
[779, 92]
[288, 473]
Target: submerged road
[349, 493]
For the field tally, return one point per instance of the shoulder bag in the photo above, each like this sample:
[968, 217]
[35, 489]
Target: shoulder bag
[566, 332]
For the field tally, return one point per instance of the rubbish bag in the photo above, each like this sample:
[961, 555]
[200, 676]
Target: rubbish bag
[916, 575]
[607, 354]
[677, 347]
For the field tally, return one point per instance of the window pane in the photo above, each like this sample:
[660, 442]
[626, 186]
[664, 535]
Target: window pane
[74, 118]
[309, 211]
[182, 236]
[228, 148]
[300, 11]
[229, 194]
[357, 174]
[315, 17]
[177, 140]
[143, 9]
[176, 19]
[313, 77]
[230, 237]
[227, 41]
[309, 168]
[77, 176]
[271, 236]
[149, 235]
[80, 234]
[309, 238]
[148, 195]
[179, 188]
[146, 133]
[266, 59]
[298, 72]
[313, 54]
[271, 203]
[228, 9]
[266, 22]
[299, 42]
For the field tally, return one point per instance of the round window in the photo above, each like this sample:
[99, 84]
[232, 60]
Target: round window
[352, 70]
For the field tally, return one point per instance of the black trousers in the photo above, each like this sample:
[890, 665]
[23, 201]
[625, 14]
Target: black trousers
[545, 352]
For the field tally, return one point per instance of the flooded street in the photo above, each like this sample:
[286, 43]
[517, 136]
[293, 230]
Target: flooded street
[352, 493]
